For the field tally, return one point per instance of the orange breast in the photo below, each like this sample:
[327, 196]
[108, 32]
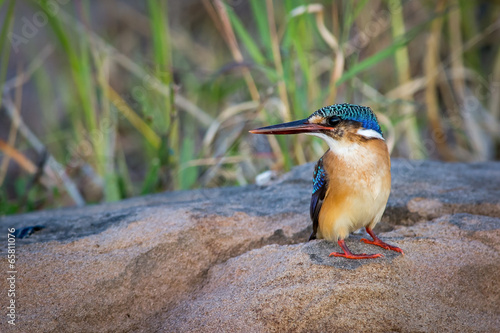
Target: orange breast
[359, 186]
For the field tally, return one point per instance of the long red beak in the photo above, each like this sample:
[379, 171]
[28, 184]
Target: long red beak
[293, 127]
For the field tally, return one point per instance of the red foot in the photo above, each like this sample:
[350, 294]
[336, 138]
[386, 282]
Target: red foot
[378, 242]
[356, 256]
[349, 255]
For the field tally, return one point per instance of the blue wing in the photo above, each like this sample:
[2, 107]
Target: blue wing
[320, 184]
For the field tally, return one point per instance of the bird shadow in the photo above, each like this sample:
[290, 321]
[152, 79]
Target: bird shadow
[319, 250]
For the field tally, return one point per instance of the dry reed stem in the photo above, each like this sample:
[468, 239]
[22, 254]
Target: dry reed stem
[25, 76]
[226, 114]
[231, 42]
[25, 163]
[13, 129]
[495, 90]
[213, 15]
[456, 47]
[132, 117]
[214, 161]
[419, 83]
[431, 68]
[53, 169]
[374, 94]
[408, 127]
[330, 40]
[275, 47]
[18, 157]
[339, 56]
[455, 99]
[446, 90]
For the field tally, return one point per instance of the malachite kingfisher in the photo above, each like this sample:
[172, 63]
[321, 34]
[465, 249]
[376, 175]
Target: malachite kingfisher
[352, 180]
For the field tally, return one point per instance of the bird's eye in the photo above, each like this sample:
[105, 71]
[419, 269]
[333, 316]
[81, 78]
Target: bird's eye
[333, 121]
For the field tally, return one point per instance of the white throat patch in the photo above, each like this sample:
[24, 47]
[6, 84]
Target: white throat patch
[333, 144]
[342, 147]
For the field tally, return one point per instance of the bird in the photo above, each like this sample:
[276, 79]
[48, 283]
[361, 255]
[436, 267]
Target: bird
[352, 180]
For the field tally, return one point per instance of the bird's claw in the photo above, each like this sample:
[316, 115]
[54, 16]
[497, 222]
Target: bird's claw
[356, 256]
[383, 245]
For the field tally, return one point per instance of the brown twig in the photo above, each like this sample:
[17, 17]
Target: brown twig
[18, 157]
[54, 169]
[13, 130]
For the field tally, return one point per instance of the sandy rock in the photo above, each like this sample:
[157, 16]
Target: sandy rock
[446, 282]
[235, 259]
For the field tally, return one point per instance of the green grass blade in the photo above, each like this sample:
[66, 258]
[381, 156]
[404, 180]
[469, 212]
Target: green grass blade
[187, 175]
[162, 56]
[388, 51]
[245, 37]
[299, 41]
[7, 24]
[78, 67]
[468, 11]
[149, 184]
[352, 15]
[260, 16]
[167, 119]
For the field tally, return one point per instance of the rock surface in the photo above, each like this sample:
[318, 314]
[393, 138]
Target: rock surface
[235, 259]
[447, 281]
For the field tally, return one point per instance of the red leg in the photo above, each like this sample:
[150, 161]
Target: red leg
[378, 242]
[349, 255]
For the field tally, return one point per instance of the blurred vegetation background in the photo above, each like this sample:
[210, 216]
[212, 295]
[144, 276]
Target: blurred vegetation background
[104, 100]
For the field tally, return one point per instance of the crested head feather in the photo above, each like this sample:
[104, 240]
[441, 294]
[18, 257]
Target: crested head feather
[361, 114]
